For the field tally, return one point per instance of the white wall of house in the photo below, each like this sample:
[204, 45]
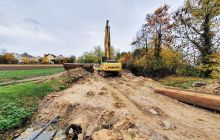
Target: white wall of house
[50, 57]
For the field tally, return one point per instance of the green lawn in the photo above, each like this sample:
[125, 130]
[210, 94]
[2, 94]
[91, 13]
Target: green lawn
[184, 82]
[19, 101]
[23, 74]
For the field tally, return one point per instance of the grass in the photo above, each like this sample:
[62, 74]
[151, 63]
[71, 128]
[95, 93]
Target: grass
[23, 74]
[19, 101]
[184, 82]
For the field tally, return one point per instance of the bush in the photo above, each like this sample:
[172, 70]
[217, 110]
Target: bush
[216, 73]
[212, 68]
[18, 102]
[168, 64]
[188, 70]
[13, 116]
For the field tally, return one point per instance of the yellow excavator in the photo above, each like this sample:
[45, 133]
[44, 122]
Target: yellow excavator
[108, 65]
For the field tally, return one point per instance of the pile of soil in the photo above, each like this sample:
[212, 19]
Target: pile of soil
[125, 108]
[213, 88]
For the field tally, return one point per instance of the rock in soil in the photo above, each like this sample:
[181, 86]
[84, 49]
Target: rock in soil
[90, 93]
[167, 125]
[199, 84]
[152, 111]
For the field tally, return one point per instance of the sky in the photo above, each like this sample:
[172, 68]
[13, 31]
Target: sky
[71, 27]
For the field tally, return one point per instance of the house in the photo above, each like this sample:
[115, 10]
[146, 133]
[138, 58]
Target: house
[49, 58]
[59, 60]
[37, 59]
[18, 57]
[25, 58]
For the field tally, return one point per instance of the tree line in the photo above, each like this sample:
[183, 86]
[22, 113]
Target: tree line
[185, 41]
[25, 58]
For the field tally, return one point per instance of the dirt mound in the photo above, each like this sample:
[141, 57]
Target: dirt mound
[125, 108]
[209, 88]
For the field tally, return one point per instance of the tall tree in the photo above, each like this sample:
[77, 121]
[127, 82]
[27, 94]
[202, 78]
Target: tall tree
[25, 59]
[71, 59]
[98, 52]
[141, 41]
[159, 26]
[197, 25]
[10, 58]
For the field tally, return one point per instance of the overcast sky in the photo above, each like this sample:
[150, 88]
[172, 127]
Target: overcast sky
[71, 27]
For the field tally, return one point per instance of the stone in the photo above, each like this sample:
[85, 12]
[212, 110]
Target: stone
[90, 93]
[103, 88]
[166, 125]
[199, 84]
[217, 90]
[152, 111]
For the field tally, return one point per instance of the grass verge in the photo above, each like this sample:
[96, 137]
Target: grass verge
[184, 82]
[18, 102]
[23, 74]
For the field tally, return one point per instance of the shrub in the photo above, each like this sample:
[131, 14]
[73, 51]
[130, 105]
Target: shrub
[13, 116]
[169, 63]
[188, 70]
[213, 68]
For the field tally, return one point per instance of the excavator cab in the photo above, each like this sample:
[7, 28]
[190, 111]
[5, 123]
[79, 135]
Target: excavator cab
[104, 59]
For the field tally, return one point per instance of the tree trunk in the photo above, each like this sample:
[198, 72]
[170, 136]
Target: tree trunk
[206, 39]
[158, 45]
[146, 46]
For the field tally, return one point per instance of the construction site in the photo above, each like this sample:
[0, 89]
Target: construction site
[119, 108]
[166, 86]
[105, 102]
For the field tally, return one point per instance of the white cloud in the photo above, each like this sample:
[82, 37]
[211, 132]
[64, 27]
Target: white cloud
[16, 32]
[70, 27]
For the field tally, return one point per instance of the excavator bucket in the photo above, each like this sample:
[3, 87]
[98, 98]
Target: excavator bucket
[86, 66]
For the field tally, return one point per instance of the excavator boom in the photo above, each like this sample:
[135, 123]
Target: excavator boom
[107, 41]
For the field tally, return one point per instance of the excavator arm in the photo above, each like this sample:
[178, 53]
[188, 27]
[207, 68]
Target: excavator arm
[107, 41]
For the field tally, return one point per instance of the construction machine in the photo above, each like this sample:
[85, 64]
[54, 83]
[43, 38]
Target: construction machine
[108, 65]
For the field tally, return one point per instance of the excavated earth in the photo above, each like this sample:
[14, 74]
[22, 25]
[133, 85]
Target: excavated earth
[124, 108]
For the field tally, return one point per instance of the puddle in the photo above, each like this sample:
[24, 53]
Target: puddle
[29, 134]
[71, 133]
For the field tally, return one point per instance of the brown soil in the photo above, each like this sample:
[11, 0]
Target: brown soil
[127, 108]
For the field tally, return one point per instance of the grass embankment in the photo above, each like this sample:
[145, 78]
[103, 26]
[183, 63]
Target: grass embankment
[184, 82]
[23, 74]
[19, 101]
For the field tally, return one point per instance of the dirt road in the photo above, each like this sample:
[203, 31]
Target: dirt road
[127, 108]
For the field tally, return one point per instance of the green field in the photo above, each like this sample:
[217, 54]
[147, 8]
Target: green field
[18, 102]
[10, 75]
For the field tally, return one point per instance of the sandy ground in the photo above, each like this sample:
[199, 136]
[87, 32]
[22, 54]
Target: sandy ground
[127, 108]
